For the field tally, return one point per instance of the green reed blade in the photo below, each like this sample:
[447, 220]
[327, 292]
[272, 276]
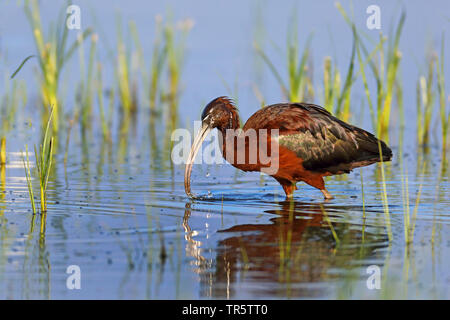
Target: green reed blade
[26, 164]
[327, 219]
[75, 46]
[49, 163]
[273, 70]
[384, 194]
[345, 93]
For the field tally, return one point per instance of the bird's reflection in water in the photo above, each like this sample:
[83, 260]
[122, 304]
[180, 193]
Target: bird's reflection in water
[300, 248]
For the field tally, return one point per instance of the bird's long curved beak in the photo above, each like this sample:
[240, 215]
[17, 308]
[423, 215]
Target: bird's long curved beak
[205, 129]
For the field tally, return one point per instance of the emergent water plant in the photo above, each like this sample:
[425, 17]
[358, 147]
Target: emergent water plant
[52, 54]
[386, 73]
[44, 158]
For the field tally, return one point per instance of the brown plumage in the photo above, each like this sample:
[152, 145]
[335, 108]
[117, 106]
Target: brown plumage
[311, 142]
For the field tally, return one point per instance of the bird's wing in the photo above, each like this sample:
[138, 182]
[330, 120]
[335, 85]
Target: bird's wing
[323, 142]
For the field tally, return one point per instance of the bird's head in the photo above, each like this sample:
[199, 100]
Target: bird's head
[219, 113]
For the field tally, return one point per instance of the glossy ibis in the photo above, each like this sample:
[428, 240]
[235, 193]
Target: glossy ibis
[310, 143]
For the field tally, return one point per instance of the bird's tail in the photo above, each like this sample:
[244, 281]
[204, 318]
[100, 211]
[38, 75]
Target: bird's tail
[374, 149]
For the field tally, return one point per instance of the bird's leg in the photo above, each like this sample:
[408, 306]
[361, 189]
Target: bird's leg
[289, 190]
[317, 182]
[288, 186]
[326, 194]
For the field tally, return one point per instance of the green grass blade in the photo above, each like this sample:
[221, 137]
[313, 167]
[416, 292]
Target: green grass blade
[22, 64]
[273, 69]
